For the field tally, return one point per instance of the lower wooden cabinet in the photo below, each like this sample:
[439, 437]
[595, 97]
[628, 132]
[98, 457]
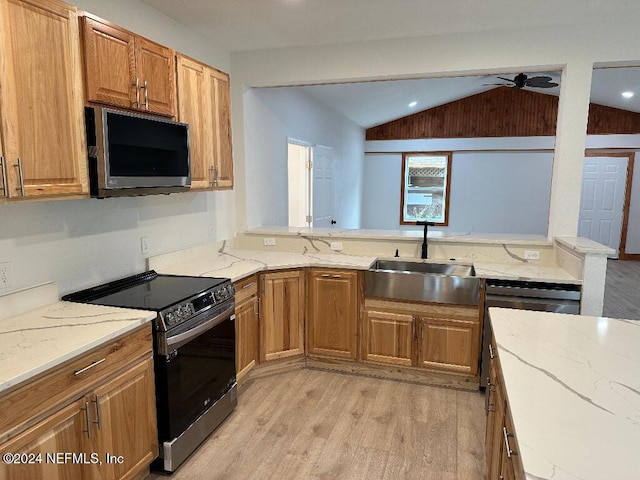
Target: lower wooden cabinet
[332, 327]
[503, 460]
[108, 431]
[388, 337]
[123, 417]
[61, 432]
[282, 308]
[247, 322]
[430, 336]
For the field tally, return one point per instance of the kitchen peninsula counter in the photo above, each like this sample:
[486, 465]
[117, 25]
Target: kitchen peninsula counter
[40, 339]
[573, 387]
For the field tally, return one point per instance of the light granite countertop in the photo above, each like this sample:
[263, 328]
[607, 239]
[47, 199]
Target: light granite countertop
[573, 385]
[237, 263]
[40, 339]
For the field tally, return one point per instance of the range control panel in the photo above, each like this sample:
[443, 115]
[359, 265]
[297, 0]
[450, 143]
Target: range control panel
[182, 312]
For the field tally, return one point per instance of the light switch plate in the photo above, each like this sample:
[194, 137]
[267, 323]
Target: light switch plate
[144, 245]
[5, 275]
[337, 246]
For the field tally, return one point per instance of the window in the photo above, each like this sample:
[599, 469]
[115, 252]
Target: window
[425, 188]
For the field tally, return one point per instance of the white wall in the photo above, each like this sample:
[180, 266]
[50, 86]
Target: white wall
[80, 243]
[491, 192]
[572, 48]
[271, 117]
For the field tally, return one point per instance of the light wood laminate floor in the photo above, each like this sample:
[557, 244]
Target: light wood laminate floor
[622, 289]
[311, 424]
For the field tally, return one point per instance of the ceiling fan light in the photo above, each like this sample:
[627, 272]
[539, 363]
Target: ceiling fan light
[627, 94]
[413, 104]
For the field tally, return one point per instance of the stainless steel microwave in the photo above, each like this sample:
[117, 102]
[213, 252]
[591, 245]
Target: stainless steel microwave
[131, 154]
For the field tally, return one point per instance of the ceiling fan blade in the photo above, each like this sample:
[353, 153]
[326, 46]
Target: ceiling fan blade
[507, 79]
[496, 84]
[541, 82]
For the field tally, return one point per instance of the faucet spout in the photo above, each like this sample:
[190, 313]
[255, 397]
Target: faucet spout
[425, 254]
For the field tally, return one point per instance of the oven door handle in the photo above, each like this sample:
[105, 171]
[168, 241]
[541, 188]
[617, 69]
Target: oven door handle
[177, 341]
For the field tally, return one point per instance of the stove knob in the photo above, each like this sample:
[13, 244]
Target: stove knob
[170, 318]
[187, 309]
[179, 311]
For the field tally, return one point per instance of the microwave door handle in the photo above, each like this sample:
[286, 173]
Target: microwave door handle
[177, 341]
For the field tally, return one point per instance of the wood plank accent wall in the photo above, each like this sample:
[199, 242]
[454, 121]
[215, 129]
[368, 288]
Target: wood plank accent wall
[500, 112]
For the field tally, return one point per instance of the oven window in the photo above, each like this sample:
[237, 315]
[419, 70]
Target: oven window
[194, 378]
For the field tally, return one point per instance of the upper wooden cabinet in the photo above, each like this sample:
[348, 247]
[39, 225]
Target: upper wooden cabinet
[332, 327]
[41, 104]
[204, 103]
[125, 70]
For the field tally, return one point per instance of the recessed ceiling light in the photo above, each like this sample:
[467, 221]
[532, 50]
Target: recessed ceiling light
[413, 104]
[627, 94]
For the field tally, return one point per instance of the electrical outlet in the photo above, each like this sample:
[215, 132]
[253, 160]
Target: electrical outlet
[144, 245]
[269, 242]
[5, 275]
[336, 246]
[532, 254]
[212, 232]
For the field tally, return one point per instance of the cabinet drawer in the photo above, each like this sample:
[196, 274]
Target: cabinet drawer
[25, 405]
[246, 288]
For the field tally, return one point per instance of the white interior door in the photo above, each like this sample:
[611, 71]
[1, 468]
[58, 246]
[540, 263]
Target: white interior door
[299, 184]
[323, 186]
[602, 200]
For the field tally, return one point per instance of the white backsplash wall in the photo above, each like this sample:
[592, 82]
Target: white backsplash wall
[81, 243]
[271, 117]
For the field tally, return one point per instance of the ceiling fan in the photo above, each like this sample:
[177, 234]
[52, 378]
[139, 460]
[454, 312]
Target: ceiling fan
[522, 80]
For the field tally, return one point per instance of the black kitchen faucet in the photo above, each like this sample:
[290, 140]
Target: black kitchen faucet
[424, 239]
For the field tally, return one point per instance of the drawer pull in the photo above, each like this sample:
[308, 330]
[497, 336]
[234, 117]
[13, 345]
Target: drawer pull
[21, 176]
[98, 412]
[5, 190]
[86, 416]
[249, 285]
[94, 364]
[491, 354]
[506, 442]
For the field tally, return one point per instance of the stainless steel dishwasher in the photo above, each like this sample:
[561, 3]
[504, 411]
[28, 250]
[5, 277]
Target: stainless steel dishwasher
[523, 295]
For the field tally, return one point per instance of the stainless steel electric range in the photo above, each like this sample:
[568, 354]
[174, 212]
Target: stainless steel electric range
[194, 353]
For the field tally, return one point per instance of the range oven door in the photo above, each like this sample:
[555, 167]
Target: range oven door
[194, 369]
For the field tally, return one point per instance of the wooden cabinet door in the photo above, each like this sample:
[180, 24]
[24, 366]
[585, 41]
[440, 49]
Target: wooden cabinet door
[246, 337]
[155, 67]
[282, 315]
[447, 344]
[60, 433]
[41, 99]
[124, 413]
[194, 108]
[333, 313]
[388, 337]
[110, 65]
[221, 115]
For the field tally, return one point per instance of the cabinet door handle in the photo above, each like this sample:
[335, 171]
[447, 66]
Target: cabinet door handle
[506, 442]
[86, 416]
[93, 364]
[146, 95]
[98, 412]
[215, 176]
[211, 179]
[488, 405]
[491, 355]
[422, 329]
[137, 84]
[3, 164]
[413, 328]
[20, 175]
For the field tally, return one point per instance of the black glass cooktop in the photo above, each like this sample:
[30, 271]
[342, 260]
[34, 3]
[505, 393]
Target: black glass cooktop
[147, 291]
